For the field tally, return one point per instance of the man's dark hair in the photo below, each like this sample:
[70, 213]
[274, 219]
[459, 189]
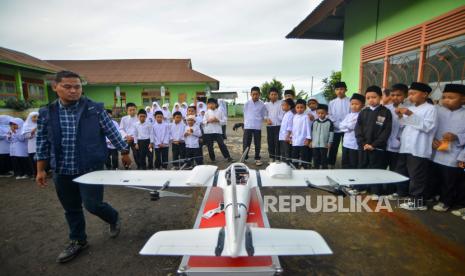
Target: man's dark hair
[158, 113]
[193, 107]
[273, 89]
[401, 87]
[177, 113]
[128, 105]
[255, 88]
[289, 92]
[66, 74]
[109, 111]
[142, 111]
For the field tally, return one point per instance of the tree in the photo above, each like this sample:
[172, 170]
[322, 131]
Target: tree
[328, 88]
[265, 88]
[302, 95]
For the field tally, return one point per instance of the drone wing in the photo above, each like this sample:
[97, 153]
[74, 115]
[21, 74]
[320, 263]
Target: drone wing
[281, 175]
[199, 176]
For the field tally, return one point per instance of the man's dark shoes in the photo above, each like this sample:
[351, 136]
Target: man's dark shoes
[72, 250]
[115, 228]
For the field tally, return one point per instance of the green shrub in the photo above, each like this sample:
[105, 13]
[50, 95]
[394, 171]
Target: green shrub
[19, 105]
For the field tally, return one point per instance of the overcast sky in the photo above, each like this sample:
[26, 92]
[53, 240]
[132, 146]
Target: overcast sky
[241, 43]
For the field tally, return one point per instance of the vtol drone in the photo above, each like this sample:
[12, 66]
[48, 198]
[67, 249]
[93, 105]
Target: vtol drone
[237, 238]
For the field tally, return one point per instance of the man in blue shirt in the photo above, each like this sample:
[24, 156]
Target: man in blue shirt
[71, 135]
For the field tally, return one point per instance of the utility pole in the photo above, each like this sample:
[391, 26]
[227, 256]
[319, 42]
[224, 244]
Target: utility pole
[311, 88]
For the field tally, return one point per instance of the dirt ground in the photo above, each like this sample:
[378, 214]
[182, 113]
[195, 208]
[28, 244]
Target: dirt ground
[33, 231]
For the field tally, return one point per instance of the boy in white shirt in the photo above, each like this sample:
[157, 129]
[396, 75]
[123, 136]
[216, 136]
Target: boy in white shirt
[285, 130]
[160, 140]
[273, 117]
[337, 111]
[178, 145]
[301, 134]
[212, 130]
[126, 128]
[142, 133]
[254, 114]
[419, 123]
[350, 150]
[191, 136]
[447, 145]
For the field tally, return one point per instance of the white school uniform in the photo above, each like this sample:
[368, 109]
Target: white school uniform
[126, 126]
[18, 142]
[418, 132]
[4, 129]
[177, 131]
[461, 156]
[142, 131]
[192, 141]
[223, 108]
[313, 112]
[254, 114]
[454, 122]
[160, 134]
[286, 126]
[301, 129]
[28, 127]
[210, 128]
[338, 110]
[274, 112]
[348, 127]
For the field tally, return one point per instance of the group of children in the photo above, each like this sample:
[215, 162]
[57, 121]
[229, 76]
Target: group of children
[152, 131]
[18, 146]
[400, 129]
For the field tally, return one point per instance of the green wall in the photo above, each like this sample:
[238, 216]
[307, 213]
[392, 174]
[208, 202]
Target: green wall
[11, 70]
[105, 93]
[361, 27]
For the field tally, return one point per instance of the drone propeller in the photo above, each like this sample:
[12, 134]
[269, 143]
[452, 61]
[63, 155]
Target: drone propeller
[290, 159]
[157, 194]
[182, 160]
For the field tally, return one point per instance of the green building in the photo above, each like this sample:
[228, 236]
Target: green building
[113, 82]
[391, 41]
[24, 77]
[141, 81]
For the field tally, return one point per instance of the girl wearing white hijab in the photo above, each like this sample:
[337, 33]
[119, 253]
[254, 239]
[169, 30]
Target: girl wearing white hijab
[155, 107]
[183, 110]
[201, 106]
[5, 160]
[176, 107]
[149, 114]
[223, 108]
[166, 112]
[29, 132]
[18, 149]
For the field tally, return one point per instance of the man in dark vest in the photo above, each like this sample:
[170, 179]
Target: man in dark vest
[71, 135]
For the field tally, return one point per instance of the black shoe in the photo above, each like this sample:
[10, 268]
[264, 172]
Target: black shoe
[71, 251]
[115, 228]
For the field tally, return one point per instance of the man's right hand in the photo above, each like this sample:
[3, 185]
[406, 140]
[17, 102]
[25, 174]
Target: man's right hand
[41, 179]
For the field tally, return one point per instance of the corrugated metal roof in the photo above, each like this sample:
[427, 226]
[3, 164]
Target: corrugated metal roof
[13, 57]
[118, 71]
